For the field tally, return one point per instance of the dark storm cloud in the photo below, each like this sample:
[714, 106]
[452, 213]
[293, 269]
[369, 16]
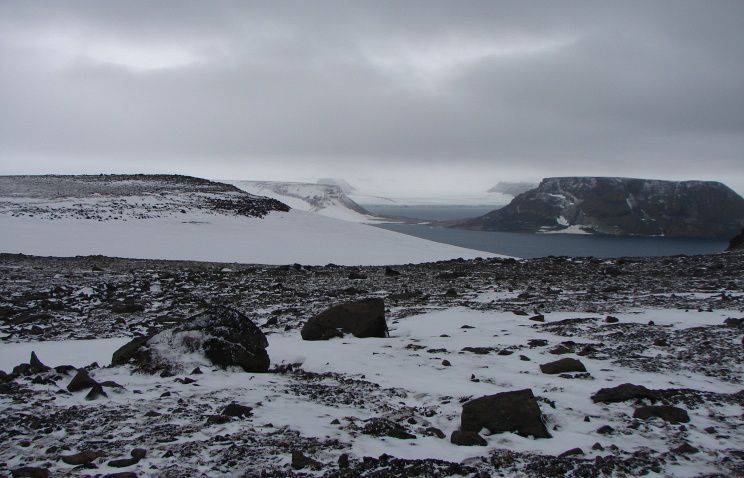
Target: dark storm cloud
[488, 88]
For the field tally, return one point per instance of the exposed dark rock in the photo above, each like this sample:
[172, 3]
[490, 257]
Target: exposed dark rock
[621, 393]
[380, 427]
[363, 318]
[621, 206]
[515, 411]
[685, 449]
[225, 336]
[82, 458]
[300, 461]
[237, 410]
[434, 432]
[564, 365]
[467, 438]
[572, 452]
[36, 365]
[95, 393]
[81, 381]
[665, 412]
[30, 472]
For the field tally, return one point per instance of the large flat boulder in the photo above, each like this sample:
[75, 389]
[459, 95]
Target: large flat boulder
[515, 411]
[621, 393]
[362, 318]
[219, 336]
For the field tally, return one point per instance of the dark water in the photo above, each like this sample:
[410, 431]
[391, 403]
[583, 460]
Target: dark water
[429, 213]
[527, 245]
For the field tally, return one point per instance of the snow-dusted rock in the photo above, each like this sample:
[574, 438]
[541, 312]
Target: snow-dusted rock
[218, 336]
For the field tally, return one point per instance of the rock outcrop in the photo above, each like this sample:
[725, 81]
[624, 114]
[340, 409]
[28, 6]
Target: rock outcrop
[362, 318]
[221, 335]
[621, 206]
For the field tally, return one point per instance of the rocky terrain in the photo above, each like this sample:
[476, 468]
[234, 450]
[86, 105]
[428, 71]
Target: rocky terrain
[621, 206]
[493, 367]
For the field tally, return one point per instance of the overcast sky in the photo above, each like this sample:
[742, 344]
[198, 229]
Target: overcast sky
[398, 96]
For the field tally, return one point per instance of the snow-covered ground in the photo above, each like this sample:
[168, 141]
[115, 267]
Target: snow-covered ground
[278, 238]
[409, 363]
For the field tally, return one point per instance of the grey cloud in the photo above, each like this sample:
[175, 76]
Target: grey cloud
[489, 88]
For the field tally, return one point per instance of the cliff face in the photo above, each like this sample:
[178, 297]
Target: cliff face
[621, 206]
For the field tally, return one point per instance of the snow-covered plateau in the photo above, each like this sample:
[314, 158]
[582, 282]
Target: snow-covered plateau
[177, 217]
[633, 368]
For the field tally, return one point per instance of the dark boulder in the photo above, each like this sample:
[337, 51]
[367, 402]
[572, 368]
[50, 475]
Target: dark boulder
[30, 472]
[621, 393]
[81, 381]
[95, 393]
[465, 438]
[667, 413]
[36, 365]
[82, 458]
[223, 335]
[362, 318]
[128, 351]
[237, 410]
[515, 411]
[564, 365]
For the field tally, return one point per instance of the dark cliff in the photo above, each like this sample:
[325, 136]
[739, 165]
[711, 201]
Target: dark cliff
[621, 206]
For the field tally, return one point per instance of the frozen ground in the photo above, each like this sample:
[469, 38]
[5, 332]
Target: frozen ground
[677, 332]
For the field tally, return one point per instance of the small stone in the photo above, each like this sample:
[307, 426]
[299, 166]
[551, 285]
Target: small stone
[571, 452]
[466, 438]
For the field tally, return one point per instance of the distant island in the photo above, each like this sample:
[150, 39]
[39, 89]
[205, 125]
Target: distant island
[620, 206]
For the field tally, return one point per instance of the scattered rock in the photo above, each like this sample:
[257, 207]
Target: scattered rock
[537, 318]
[380, 427]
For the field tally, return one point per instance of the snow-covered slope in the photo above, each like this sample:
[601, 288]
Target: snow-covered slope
[325, 199]
[181, 223]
